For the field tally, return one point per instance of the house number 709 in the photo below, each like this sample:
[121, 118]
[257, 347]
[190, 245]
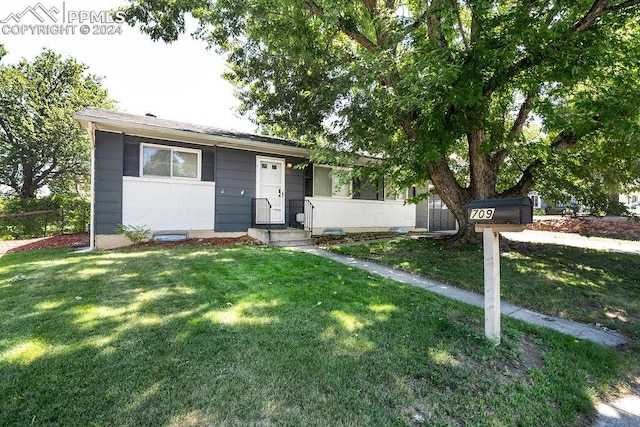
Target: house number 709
[485, 213]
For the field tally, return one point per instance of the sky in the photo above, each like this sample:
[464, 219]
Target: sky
[178, 81]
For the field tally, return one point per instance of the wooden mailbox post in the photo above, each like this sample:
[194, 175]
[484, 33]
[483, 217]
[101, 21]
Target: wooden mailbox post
[491, 217]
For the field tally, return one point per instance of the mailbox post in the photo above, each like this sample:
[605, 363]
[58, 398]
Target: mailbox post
[491, 217]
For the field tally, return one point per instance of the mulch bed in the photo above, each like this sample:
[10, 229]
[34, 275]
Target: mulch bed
[82, 240]
[61, 241]
[355, 237]
[214, 241]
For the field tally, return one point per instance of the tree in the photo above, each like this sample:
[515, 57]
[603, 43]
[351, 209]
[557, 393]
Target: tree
[434, 88]
[41, 145]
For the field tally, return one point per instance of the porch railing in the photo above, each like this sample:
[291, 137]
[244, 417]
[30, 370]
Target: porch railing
[260, 213]
[301, 214]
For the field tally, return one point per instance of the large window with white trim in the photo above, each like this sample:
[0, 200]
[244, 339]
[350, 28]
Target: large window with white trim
[170, 162]
[327, 183]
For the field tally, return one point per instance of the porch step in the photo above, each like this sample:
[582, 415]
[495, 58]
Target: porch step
[284, 237]
[293, 243]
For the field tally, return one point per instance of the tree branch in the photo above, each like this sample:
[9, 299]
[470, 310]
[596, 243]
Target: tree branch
[371, 7]
[521, 118]
[566, 139]
[523, 186]
[4, 124]
[421, 20]
[460, 27]
[434, 26]
[623, 5]
[587, 20]
[516, 128]
[598, 8]
[352, 33]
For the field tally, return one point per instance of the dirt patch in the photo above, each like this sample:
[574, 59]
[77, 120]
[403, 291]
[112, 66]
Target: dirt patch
[61, 241]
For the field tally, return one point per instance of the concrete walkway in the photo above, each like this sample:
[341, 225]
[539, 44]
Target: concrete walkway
[575, 329]
[624, 412]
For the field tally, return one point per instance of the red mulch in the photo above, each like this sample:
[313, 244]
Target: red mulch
[213, 241]
[82, 240]
[61, 241]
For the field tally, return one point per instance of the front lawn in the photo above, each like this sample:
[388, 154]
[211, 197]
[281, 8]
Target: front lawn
[262, 336]
[588, 286]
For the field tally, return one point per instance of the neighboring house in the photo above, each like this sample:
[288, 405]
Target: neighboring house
[169, 176]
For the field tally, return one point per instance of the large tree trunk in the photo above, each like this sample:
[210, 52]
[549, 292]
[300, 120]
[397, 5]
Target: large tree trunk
[28, 187]
[483, 177]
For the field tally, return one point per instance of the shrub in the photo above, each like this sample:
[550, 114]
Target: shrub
[134, 233]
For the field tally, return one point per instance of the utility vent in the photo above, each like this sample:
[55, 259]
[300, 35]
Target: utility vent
[400, 230]
[334, 232]
[170, 236]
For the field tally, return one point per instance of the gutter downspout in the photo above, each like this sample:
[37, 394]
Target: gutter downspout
[92, 138]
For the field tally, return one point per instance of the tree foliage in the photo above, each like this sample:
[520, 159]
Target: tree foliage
[441, 90]
[40, 142]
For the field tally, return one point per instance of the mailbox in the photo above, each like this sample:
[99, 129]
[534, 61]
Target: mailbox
[516, 210]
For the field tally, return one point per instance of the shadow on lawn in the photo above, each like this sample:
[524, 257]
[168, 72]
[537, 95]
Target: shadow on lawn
[260, 336]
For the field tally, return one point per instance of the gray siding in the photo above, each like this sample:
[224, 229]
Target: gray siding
[108, 181]
[236, 186]
[132, 155]
[294, 182]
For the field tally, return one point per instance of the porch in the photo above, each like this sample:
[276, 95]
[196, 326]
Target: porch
[267, 223]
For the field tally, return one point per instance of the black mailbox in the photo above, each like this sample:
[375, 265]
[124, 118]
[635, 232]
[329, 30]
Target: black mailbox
[515, 210]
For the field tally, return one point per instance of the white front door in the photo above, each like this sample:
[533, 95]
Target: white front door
[270, 185]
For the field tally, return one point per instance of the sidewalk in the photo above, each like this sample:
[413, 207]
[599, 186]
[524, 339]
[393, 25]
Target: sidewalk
[624, 412]
[575, 329]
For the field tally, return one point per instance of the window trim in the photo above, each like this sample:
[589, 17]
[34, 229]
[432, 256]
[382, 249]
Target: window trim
[171, 149]
[331, 168]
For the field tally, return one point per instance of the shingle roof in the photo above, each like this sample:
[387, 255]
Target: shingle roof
[100, 114]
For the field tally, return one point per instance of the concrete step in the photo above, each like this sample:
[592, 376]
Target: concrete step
[282, 237]
[293, 243]
[289, 234]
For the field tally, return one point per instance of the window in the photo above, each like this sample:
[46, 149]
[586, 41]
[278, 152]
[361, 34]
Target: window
[172, 162]
[388, 195]
[535, 198]
[327, 183]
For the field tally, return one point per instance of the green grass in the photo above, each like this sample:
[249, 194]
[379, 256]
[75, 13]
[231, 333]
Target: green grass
[261, 336]
[584, 285]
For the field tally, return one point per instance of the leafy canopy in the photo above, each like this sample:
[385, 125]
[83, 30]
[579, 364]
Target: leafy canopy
[446, 90]
[41, 145]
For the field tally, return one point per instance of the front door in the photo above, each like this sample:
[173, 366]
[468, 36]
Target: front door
[270, 185]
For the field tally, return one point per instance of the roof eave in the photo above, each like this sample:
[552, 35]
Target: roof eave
[139, 129]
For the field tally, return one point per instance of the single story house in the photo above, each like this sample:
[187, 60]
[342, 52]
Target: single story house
[167, 176]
